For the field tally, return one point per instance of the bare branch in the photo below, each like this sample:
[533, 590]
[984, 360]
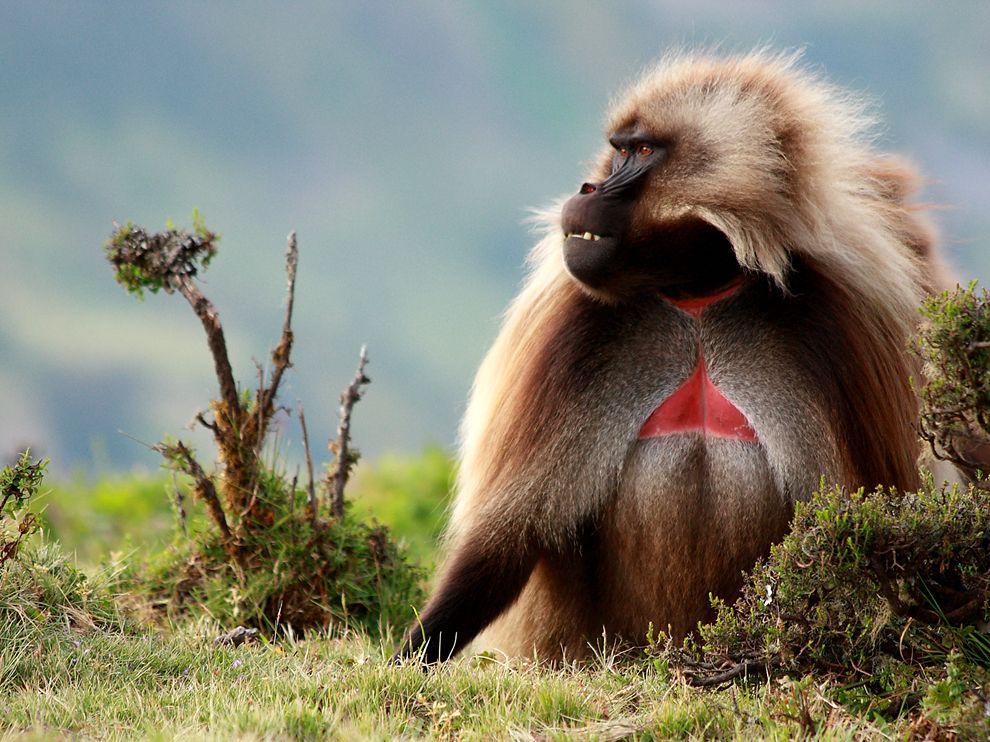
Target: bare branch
[345, 458]
[311, 486]
[210, 318]
[282, 352]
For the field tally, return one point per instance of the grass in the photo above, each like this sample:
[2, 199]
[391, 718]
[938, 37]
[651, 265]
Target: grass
[76, 659]
[120, 686]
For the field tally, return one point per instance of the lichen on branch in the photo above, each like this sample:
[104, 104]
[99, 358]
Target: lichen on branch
[160, 260]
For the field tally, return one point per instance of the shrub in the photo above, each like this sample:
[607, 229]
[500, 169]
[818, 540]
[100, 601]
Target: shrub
[955, 347]
[864, 583]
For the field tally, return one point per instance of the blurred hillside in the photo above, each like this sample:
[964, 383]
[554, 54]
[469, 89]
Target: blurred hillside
[405, 142]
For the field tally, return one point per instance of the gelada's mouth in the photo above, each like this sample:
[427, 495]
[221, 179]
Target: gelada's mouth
[587, 236]
[591, 258]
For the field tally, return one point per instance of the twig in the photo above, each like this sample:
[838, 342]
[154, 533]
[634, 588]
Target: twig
[744, 667]
[250, 504]
[965, 611]
[204, 484]
[345, 459]
[180, 503]
[887, 589]
[311, 486]
[292, 491]
[204, 422]
[261, 419]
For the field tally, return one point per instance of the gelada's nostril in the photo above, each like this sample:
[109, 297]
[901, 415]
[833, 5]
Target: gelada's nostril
[588, 188]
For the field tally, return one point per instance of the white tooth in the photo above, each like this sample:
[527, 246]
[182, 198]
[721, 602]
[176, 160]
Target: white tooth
[588, 235]
[595, 237]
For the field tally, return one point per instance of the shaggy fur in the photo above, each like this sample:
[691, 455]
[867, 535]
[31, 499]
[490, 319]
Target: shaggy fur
[566, 523]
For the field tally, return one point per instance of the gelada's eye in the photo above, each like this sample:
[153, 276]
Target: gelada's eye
[644, 150]
[623, 152]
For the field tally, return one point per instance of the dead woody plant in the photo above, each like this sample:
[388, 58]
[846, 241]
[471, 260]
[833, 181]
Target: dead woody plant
[170, 261]
[344, 456]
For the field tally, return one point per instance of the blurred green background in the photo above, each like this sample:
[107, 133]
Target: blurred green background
[405, 141]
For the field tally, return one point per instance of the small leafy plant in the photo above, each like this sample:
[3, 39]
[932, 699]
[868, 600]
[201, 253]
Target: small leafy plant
[955, 347]
[46, 602]
[18, 486]
[275, 553]
[863, 582]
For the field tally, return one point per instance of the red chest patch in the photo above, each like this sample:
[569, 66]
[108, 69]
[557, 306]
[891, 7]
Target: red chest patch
[697, 405]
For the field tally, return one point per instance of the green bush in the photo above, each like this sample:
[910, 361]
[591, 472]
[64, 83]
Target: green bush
[295, 572]
[18, 486]
[955, 347]
[865, 586]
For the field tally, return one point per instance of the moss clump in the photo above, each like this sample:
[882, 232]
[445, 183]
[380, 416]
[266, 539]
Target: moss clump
[161, 260]
[293, 571]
